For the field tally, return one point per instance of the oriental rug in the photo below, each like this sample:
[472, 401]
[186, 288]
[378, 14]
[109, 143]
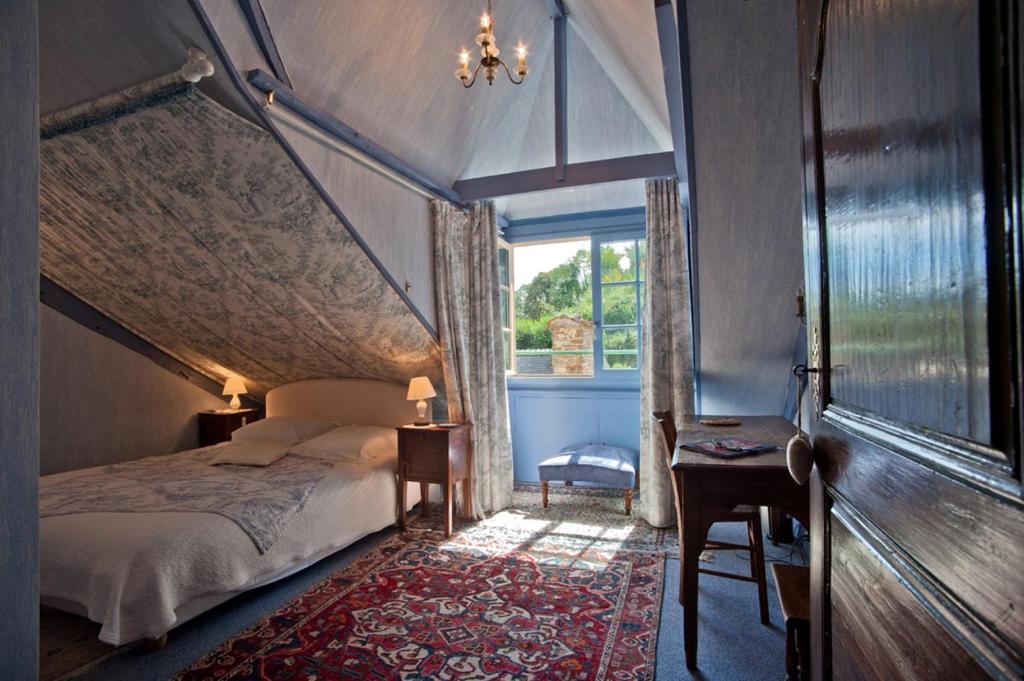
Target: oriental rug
[418, 607]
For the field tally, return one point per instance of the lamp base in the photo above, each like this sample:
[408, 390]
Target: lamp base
[235, 402]
[421, 412]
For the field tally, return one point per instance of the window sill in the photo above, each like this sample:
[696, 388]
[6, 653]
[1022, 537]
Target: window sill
[562, 384]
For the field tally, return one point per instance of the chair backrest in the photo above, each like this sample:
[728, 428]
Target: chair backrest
[668, 430]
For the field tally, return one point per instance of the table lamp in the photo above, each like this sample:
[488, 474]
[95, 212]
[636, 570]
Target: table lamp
[421, 389]
[234, 386]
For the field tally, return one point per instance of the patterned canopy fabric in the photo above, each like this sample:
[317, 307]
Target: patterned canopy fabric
[191, 227]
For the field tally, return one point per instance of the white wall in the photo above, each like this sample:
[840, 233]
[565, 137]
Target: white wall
[102, 403]
[748, 178]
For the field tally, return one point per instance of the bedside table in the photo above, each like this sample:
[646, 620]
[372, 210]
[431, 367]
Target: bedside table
[217, 426]
[440, 455]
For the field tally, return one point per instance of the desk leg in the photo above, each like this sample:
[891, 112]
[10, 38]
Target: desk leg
[695, 534]
[401, 504]
[425, 499]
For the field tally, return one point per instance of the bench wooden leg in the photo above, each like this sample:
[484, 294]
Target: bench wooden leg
[792, 667]
[544, 492]
[629, 501]
[803, 650]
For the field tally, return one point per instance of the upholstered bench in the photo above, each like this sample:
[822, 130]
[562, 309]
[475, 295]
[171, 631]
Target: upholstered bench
[599, 464]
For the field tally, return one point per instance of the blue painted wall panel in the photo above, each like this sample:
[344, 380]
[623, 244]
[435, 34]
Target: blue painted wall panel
[545, 421]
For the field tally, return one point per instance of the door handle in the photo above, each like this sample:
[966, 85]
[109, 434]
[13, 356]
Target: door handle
[799, 450]
[800, 458]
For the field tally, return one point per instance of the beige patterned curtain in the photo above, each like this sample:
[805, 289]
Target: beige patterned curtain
[667, 367]
[469, 322]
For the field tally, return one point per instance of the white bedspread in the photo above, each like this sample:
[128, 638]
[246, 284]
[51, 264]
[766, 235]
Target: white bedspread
[140, 574]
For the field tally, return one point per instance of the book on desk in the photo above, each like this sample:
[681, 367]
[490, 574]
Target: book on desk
[728, 448]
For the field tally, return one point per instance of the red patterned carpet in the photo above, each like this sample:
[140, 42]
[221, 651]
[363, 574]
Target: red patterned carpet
[419, 609]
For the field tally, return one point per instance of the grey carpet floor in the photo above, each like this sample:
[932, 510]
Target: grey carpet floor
[733, 645]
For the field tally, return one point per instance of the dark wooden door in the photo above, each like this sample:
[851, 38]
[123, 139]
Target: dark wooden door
[912, 237]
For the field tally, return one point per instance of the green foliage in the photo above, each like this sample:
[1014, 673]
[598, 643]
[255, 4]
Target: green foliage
[533, 334]
[556, 291]
[566, 290]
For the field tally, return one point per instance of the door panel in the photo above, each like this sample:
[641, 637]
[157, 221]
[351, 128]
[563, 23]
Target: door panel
[873, 610]
[912, 238]
[901, 115]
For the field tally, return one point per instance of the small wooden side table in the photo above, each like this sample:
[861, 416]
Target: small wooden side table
[435, 455]
[217, 426]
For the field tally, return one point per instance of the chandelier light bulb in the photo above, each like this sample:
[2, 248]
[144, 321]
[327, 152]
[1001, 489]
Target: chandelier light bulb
[485, 21]
[464, 57]
[521, 52]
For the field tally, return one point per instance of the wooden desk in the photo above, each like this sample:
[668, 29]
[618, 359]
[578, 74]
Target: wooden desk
[709, 486]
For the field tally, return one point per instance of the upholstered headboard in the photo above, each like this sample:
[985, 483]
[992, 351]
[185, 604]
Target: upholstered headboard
[344, 400]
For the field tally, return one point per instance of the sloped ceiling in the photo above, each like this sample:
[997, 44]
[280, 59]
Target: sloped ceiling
[387, 69]
[623, 37]
[191, 226]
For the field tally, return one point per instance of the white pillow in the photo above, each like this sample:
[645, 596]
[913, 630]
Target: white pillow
[250, 453]
[351, 444]
[285, 430]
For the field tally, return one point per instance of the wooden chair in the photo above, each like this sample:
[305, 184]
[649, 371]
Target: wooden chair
[751, 515]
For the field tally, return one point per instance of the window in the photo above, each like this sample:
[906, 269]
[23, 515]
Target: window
[621, 295]
[554, 319]
[505, 286]
[561, 323]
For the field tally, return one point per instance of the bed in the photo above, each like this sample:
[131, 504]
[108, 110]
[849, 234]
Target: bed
[140, 574]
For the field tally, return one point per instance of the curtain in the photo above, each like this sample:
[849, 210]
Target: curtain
[667, 367]
[469, 323]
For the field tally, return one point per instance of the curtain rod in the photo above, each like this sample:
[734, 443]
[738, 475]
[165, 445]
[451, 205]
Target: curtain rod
[289, 117]
[196, 67]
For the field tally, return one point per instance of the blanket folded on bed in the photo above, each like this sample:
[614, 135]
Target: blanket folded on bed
[260, 500]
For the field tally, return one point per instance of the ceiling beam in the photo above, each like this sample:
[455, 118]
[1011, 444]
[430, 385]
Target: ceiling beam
[561, 96]
[285, 96]
[674, 41]
[260, 29]
[557, 9]
[576, 175]
[668, 41]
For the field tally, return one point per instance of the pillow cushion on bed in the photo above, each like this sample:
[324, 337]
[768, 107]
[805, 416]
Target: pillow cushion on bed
[250, 453]
[351, 444]
[285, 430]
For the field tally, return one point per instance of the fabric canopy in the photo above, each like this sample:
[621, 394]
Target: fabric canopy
[191, 227]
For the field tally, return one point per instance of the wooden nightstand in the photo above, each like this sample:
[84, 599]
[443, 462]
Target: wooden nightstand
[217, 427]
[439, 455]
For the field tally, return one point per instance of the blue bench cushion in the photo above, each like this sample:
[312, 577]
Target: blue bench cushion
[601, 464]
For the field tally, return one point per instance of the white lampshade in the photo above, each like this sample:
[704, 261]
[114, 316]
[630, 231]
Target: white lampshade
[234, 386]
[420, 388]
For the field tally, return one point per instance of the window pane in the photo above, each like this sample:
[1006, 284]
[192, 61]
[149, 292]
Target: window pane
[642, 247]
[620, 349]
[618, 261]
[554, 309]
[618, 304]
[504, 308]
[506, 338]
[503, 266]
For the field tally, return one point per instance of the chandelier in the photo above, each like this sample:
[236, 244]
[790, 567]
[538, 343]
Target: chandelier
[490, 62]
